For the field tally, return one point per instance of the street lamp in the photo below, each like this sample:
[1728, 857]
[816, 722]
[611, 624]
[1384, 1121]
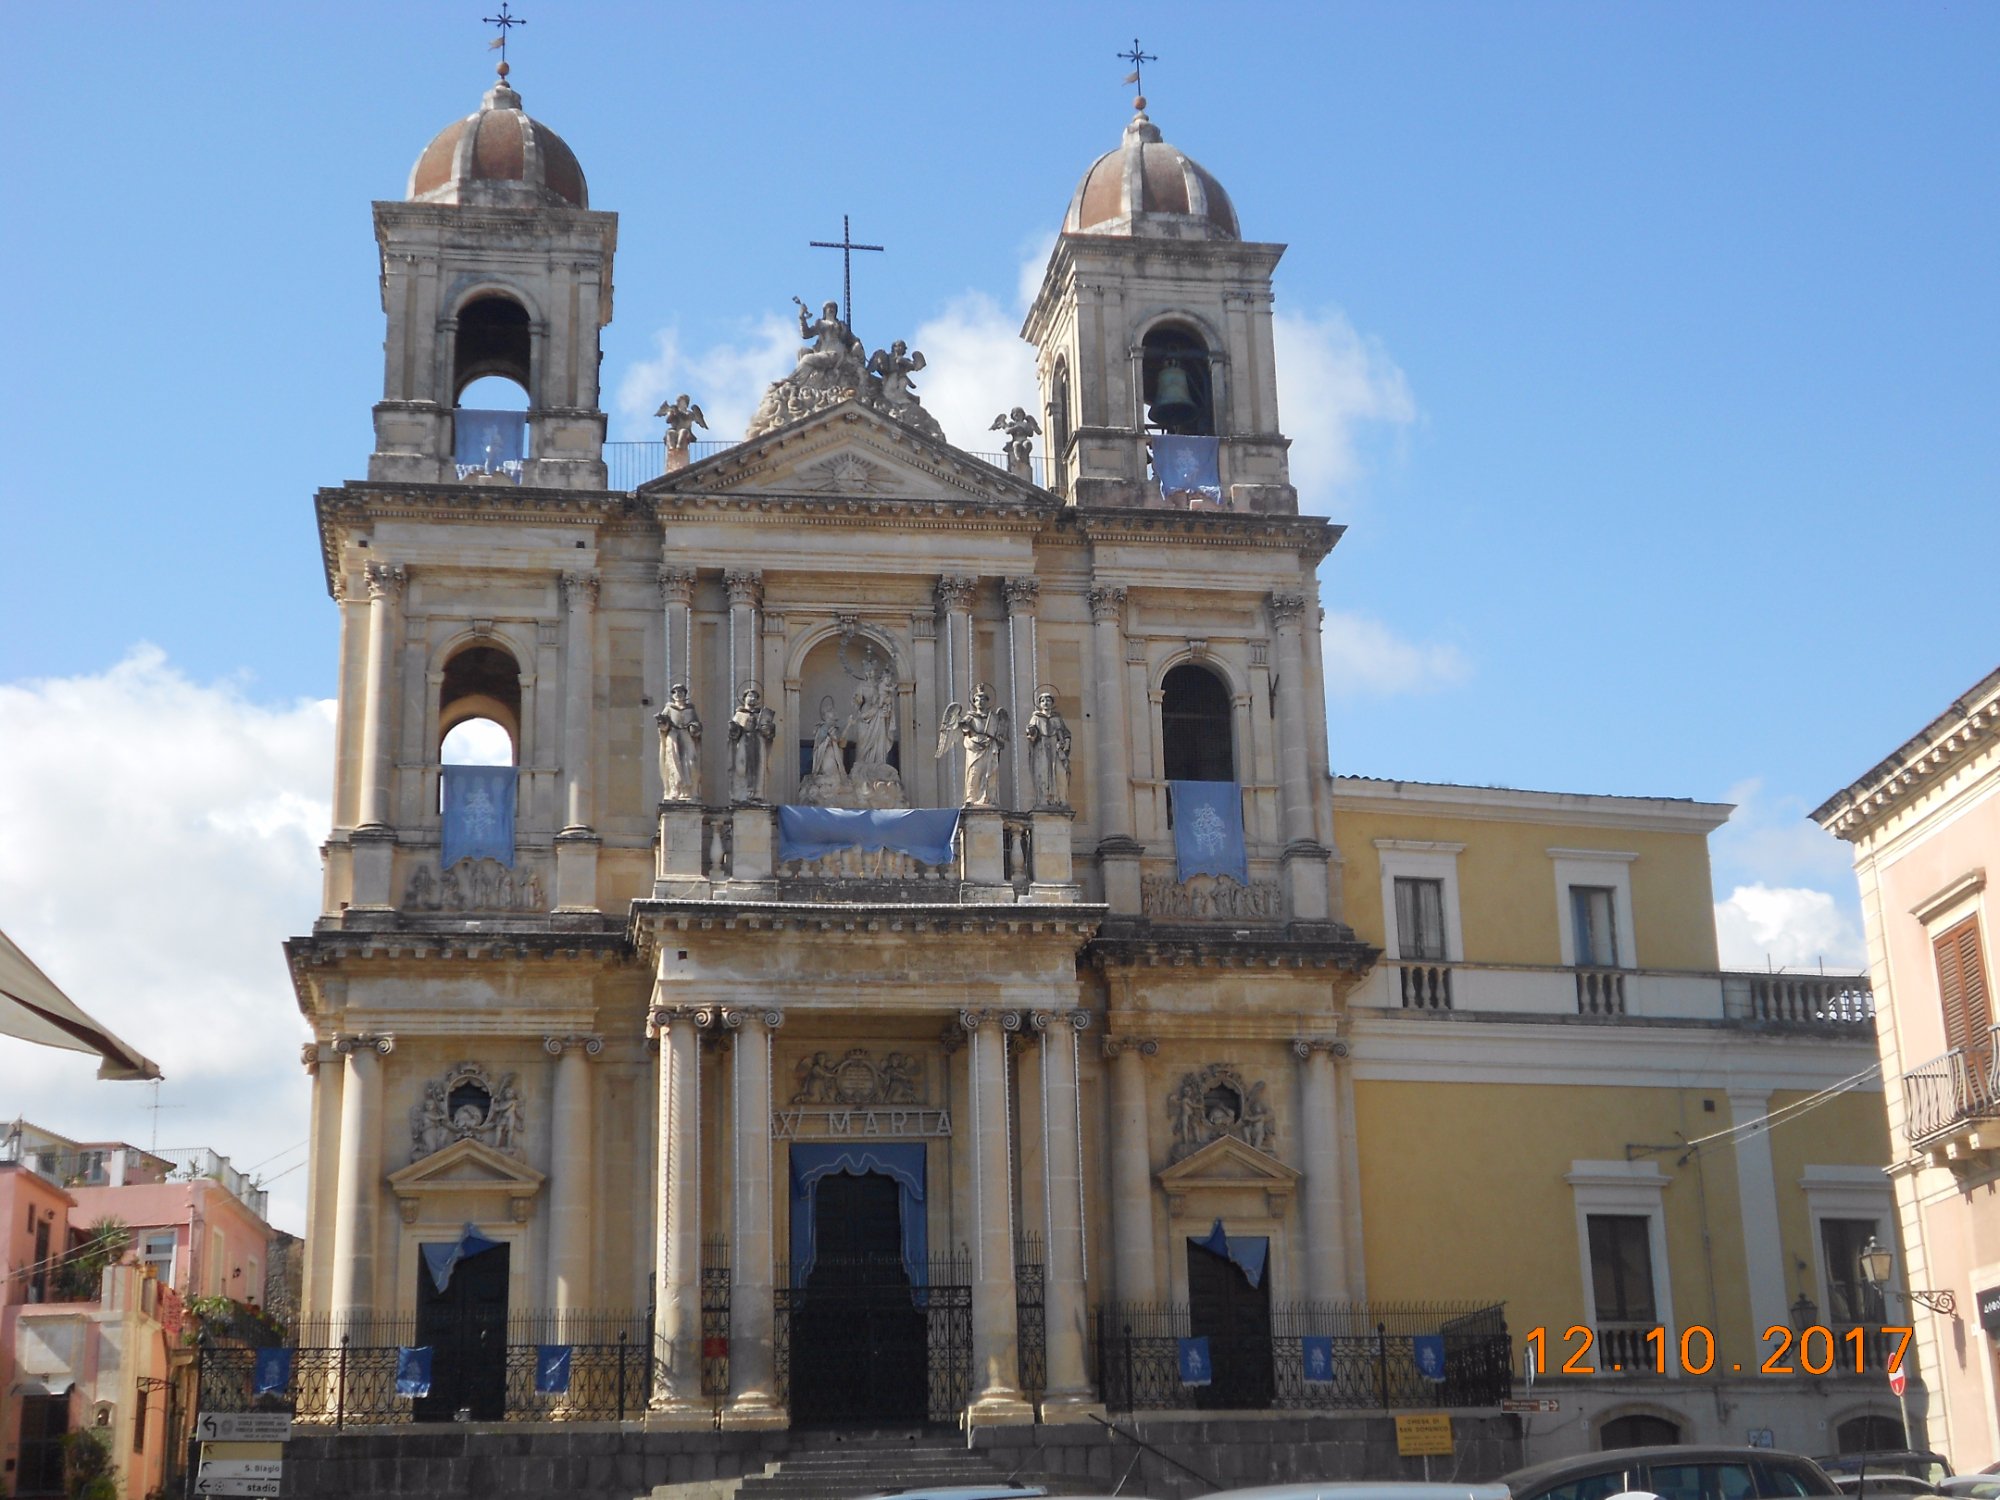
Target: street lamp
[1805, 1313]
[1878, 1262]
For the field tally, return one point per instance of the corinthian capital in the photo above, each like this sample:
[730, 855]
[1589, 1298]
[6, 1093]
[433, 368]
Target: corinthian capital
[955, 592]
[677, 585]
[386, 580]
[1021, 594]
[745, 586]
[580, 590]
[1287, 609]
[1107, 604]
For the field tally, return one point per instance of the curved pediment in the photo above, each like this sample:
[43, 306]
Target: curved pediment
[847, 453]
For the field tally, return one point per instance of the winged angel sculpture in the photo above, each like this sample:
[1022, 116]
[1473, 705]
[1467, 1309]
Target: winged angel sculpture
[982, 729]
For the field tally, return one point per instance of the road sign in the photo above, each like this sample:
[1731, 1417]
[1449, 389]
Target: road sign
[1422, 1436]
[239, 1476]
[1532, 1404]
[243, 1426]
[1897, 1381]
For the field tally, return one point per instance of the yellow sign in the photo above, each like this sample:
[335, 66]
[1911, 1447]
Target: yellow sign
[1424, 1436]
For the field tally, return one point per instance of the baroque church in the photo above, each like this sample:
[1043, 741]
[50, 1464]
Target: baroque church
[906, 970]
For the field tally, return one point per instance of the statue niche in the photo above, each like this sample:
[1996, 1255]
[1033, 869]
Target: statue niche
[854, 696]
[1215, 1101]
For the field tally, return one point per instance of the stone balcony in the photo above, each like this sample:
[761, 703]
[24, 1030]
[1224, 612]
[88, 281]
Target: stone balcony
[1828, 1005]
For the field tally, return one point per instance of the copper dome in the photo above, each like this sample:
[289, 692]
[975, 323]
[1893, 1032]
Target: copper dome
[499, 157]
[1150, 190]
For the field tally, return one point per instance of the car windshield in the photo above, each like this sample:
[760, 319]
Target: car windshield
[1710, 1481]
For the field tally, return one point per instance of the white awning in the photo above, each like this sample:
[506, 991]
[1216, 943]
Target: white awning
[31, 1007]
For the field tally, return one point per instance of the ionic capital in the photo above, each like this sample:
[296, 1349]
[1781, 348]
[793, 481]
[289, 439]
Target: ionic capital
[346, 1043]
[733, 1019]
[1047, 1020]
[1332, 1046]
[745, 586]
[589, 1043]
[1107, 605]
[386, 580]
[1287, 609]
[677, 585]
[1117, 1046]
[309, 1058]
[954, 593]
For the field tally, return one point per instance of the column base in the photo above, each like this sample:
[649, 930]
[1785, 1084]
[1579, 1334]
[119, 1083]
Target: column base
[1001, 1408]
[576, 870]
[755, 1414]
[373, 852]
[1078, 1407]
[674, 1414]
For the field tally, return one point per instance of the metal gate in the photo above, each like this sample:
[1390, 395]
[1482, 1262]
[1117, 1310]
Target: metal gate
[861, 1346]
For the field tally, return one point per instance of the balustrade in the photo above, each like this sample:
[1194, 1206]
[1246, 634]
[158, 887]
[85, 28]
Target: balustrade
[1962, 1084]
[1424, 986]
[1600, 992]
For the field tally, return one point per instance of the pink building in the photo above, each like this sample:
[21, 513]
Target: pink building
[111, 1347]
[1925, 825]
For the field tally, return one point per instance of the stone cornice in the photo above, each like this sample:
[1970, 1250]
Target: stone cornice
[361, 503]
[328, 951]
[901, 512]
[584, 223]
[1311, 536]
[1180, 948]
[652, 918]
[1964, 729]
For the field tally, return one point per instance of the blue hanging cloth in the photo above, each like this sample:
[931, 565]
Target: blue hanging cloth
[1187, 467]
[1208, 830]
[273, 1372]
[552, 1369]
[902, 1163]
[1247, 1252]
[488, 440]
[478, 814]
[1429, 1351]
[413, 1371]
[1196, 1367]
[923, 833]
[1316, 1353]
[442, 1260]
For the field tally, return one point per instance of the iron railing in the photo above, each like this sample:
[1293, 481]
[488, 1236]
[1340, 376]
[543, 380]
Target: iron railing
[863, 1344]
[629, 465]
[1962, 1084]
[1840, 1002]
[1372, 1363]
[1031, 1316]
[715, 1285]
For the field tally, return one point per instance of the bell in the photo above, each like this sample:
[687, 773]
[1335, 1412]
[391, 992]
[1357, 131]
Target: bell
[1173, 402]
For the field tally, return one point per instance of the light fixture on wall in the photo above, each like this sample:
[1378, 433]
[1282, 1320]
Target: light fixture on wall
[1878, 1263]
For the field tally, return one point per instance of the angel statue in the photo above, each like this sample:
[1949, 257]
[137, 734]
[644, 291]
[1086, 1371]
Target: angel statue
[752, 728]
[982, 729]
[680, 733]
[1021, 430]
[894, 366]
[682, 417]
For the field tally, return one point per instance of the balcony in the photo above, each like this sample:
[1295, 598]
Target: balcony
[1826, 1005]
[1951, 1104]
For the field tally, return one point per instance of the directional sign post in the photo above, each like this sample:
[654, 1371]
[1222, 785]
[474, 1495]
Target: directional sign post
[239, 1476]
[243, 1426]
[1532, 1404]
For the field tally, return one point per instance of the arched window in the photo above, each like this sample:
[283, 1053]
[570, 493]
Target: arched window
[1195, 725]
[1637, 1430]
[1187, 406]
[479, 709]
[491, 385]
[492, 340]
[1059, 418]
[1870, 1434]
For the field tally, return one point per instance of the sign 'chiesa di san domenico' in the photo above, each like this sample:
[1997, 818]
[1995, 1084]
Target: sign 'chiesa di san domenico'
[907, 958]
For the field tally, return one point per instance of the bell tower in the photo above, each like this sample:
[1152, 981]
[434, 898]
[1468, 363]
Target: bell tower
[494, 264]
[1154, 317]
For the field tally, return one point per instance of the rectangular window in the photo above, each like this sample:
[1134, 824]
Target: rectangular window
[1850, 1298]
[1419, 918]
[157, 1251]
[1621, 1268]
[1596, 928]
[1961, 971]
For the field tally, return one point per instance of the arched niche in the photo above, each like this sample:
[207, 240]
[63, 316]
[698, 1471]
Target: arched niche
[858, 680]
[1197, 724]
[1178, 345]
[481, 681]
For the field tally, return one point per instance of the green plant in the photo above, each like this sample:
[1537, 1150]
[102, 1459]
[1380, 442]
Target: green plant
[80, 1274]
[87, 1470]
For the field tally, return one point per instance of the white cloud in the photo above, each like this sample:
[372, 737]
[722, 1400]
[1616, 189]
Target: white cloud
[1786, 927]
[1364, 657]
[727, 380]
[978, 366]
[1337, 389]
[162, 840]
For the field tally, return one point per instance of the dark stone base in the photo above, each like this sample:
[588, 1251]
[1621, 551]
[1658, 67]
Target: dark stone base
[612, 1461]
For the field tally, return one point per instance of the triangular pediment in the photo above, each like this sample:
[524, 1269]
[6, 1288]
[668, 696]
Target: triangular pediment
[467, 1166]
[848, 453]
[1226, 1162]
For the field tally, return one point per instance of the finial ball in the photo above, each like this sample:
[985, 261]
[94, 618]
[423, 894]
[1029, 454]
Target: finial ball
[504, 70]
[1139, 103]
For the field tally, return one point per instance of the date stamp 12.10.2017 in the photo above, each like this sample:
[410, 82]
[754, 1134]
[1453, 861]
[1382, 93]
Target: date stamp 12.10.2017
[1814, 1350]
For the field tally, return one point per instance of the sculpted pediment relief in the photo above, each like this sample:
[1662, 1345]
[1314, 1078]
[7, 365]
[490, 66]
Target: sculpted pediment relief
[852, 453]
[465, 1166]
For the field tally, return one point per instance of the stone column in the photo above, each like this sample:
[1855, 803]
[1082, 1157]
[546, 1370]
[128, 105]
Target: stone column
[954, 601]
[385, 597]
[677, 1215]
[1021, 595]
[1320, 1150]
[1305, 858]
[1117, 851]
[753, 1366]
[996, 1392]
[577, 844]
[570, 1158]
[746, 595]
[677, 618]
[357, 1186]
[1134, 1277]
[1066, 1270]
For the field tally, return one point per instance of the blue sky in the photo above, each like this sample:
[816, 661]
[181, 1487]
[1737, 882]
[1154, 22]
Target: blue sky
[1647, 351]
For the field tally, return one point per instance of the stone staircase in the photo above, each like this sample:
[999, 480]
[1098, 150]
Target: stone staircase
[844, 1465]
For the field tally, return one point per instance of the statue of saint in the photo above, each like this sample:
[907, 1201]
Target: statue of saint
[982, 730]
[835, 351]
[872, 727]
[1048, 751]
[680, 735]
[826, 783]
[682, 417]
[751, 729]
[1021, 430]
[893, 367]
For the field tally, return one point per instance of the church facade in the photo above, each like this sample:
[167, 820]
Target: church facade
[919, 931]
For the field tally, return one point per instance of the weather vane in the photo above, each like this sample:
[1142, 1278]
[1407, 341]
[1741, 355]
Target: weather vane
[846, 246]
[1138, 59]
[505, 21]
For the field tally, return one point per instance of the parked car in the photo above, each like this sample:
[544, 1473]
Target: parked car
[1673, 1473]
[1366, 1489]
[1887, 1485]
[1931, 1468]
[1981, 1486]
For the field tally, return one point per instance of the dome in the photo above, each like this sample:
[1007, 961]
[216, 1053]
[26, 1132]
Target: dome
[499, 157]
[1150, 190]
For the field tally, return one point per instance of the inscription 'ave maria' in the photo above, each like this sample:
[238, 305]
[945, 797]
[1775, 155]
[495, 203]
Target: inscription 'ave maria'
[839, 1124]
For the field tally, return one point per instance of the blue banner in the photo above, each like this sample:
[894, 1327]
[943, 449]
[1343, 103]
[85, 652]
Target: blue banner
[1316, 1349]
[1194, 1362]
[1429, 1350]
[442, 1260]
[923, 833]
[489, 440]
[478, 814]
[1247, 1252]
[1208, 830]
[901, 1163]
[273, 1372]
[1187, 467]
[552, 1369]
[413, 1371]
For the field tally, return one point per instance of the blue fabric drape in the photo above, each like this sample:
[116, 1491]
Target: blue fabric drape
[1247, 1252]
[923, 833]
[442, 1260]
[903, 1164]
[478, 814]
[413, 1371]
[1187, 466]
[1196, 1368]
[1208, 830]
[273, 1373]
[488, 439]
[552, 1362]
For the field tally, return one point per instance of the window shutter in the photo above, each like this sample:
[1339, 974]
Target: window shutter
[1961, 970]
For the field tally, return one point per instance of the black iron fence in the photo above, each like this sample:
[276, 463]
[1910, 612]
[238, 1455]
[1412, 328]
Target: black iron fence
[859, 1343]
[553, 1367]
[1031, 1328]
[1316, 1355]
[715, 1283]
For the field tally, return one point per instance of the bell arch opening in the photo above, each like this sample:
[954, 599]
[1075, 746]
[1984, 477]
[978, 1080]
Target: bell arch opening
[492, 388]
[1197, 731]
[479, 708]
[1178, 385]
[492, 339]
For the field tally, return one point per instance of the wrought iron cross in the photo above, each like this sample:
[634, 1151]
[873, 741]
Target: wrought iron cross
[505, 21]
[1138, 59]
[846, 247]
